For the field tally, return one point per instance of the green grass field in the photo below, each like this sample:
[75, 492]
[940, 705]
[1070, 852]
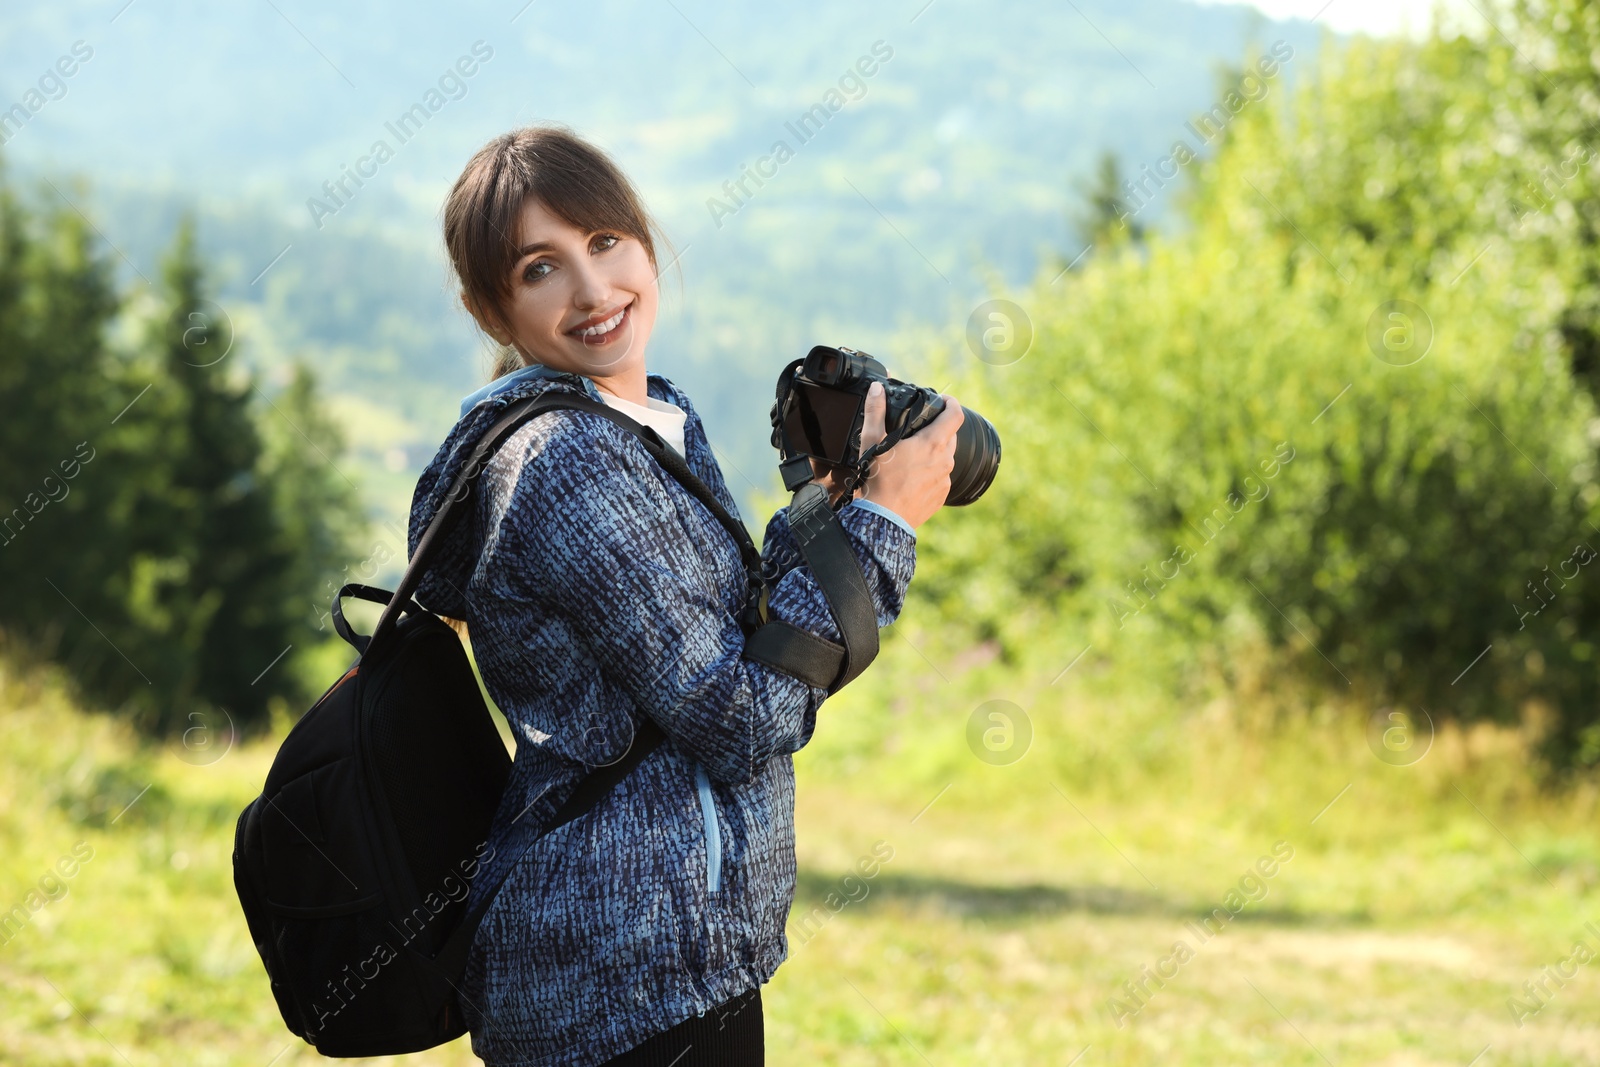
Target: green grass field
[1020, 897]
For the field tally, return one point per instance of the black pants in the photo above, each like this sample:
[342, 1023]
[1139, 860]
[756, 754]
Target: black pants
[729, 1035]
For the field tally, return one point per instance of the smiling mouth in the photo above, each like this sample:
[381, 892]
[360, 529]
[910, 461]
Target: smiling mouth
[602, 332]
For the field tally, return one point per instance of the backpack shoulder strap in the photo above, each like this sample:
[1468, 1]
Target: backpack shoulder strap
[452, 958]
[455, 503]
[466, 482]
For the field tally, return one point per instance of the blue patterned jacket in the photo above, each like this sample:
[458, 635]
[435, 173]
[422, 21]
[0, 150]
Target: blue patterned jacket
[598, 591]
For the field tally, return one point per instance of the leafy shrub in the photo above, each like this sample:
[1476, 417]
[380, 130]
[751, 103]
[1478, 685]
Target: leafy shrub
[1210, 431]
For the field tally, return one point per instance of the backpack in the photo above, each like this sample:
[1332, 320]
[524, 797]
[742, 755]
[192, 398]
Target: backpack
[354, 864]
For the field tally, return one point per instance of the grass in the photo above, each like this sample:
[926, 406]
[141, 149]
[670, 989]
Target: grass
[1019, 899]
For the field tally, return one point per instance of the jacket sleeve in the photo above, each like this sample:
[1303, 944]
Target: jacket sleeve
[779, 546]
[605, 544]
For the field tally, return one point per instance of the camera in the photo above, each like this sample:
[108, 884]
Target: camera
[821, 409]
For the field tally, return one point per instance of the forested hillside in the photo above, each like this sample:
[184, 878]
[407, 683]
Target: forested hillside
[956, 160]
[169, 529]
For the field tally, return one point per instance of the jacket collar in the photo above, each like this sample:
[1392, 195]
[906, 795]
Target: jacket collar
[655, 385]
[507, 382]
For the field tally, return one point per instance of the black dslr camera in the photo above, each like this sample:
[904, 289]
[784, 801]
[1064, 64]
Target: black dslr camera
[821, 408]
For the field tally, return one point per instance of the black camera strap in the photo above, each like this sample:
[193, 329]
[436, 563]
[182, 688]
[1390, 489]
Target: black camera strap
[814, 660]
[795, 464]
[826, 550]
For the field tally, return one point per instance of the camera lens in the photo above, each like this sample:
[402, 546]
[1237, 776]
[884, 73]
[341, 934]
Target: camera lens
[977, 459]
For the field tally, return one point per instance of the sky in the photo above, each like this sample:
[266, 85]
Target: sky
[1376, 17]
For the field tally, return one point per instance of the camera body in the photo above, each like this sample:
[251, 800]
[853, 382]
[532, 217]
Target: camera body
[820, 412]
[828, 425]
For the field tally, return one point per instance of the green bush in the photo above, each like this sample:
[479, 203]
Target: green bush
[1225, 431]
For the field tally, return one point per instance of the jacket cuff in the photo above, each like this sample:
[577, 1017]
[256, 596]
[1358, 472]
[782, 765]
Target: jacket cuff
[879, 509]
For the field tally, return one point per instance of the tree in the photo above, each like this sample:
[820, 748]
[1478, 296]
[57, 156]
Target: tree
[167, 523]
[251, 515]
[56, 300]
[1104, 218]
[319, 509]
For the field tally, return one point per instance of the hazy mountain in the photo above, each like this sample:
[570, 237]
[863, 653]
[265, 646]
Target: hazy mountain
[956, 157]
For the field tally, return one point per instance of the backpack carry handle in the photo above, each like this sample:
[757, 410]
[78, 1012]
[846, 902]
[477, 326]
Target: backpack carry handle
[371, 594]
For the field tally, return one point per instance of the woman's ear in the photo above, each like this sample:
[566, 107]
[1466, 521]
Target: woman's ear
[492, 328]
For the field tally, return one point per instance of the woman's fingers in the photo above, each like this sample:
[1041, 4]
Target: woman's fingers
[948, 421]
[872, 430]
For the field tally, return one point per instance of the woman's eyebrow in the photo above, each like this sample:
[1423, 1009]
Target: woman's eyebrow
[537, 246]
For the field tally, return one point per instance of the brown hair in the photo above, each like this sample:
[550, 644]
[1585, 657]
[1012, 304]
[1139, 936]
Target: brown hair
[574, 180]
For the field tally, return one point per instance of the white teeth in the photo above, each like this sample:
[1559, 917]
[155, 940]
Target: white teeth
[604, 327]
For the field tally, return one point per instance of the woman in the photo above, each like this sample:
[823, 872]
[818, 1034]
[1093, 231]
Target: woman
[598, 591]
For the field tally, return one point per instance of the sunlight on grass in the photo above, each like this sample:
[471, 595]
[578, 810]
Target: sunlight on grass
[1014, 912]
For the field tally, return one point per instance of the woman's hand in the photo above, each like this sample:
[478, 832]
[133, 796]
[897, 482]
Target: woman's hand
[911, 479]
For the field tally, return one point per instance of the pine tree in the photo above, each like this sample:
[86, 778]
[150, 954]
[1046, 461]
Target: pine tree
[56, 298]
[165, 526]
[232, 553]
[318, 506]
[1104, 218]
[207, 552]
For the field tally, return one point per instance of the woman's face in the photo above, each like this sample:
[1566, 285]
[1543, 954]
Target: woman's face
[581, 302]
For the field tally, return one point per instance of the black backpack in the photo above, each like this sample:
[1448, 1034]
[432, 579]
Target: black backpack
[354, 865]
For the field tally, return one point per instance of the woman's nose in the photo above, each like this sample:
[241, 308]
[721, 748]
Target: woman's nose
[590, 288]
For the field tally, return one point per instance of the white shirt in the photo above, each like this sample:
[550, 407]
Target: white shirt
[665, 418]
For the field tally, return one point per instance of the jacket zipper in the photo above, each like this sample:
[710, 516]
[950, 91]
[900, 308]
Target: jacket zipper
[708, 809]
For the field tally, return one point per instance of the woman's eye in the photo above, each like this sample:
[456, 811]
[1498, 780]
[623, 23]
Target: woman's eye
[605, 241]
[532, 273]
